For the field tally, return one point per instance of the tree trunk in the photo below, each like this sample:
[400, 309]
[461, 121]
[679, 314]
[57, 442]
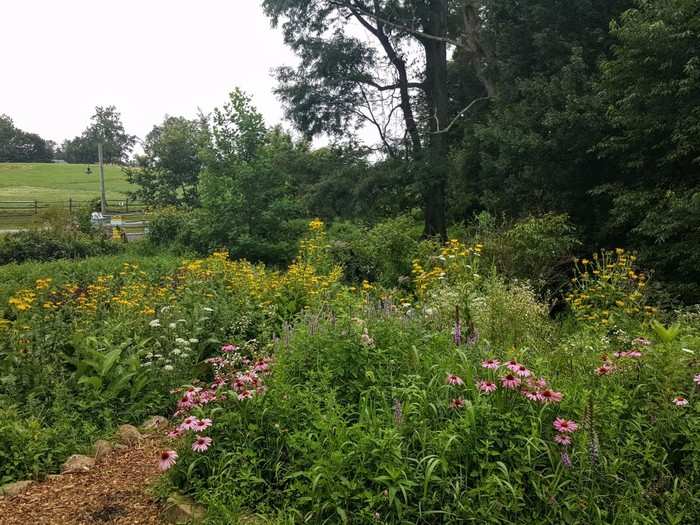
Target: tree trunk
[434, 185]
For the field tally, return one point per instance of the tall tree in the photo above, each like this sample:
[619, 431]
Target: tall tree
[168, 171]
[20, 146]
[105, 127]
[344, 81]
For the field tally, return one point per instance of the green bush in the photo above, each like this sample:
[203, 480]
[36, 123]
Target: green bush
[539, 249]
[39, 245]
[382, 253]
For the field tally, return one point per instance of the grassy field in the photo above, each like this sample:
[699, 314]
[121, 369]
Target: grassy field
[58, 182]
[52, 185]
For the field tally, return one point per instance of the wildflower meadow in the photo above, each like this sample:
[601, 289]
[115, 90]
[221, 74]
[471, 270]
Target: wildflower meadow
[299, 397]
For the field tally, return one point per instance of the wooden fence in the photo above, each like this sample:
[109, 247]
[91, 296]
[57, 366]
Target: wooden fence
[26, 209]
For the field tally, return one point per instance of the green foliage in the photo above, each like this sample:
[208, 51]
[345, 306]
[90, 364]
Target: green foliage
[248, 187]
[652, 88]
[664, 226]
[666, 335]
[105, 127]
[381, 253]
[19, 146]
[41, 245]
[177, 229]
[168, 172]
[357, 432]
[538, 249]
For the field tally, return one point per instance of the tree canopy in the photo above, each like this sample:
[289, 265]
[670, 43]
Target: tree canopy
[20, 146]
[106, 127]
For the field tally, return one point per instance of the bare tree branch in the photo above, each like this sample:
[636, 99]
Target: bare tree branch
[410, 85]
[373, 120]
[457, 117]
[418, 34]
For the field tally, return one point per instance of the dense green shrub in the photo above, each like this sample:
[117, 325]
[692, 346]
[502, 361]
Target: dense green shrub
[381, 253]
[38, 245]
[539, 249]
[176, 228]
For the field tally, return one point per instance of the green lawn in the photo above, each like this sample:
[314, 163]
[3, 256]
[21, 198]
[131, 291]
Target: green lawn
[59, 182]
[52, 185]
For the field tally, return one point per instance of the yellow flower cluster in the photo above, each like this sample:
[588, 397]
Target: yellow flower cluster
[22, 300]
[608, 286]
[43, 284]
[130, 291]
[456, 262]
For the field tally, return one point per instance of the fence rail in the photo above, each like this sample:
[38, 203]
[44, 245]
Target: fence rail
[17, 209]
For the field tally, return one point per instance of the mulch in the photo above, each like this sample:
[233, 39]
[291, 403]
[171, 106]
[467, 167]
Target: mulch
[115, 491]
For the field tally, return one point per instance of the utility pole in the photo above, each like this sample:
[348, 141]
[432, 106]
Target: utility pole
[103, 197]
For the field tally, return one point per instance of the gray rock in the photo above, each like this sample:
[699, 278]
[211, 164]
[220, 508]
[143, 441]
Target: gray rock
[102, 449]
[12, 489]
[180, 510]
[128, 435]
[155, 423]
[78, 463]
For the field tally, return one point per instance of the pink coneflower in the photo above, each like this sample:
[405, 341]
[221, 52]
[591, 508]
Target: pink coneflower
[522, 371]
[491, 363]
[189, 423]
[563, 439]
[696, 379]
[550, 396]
[261, 367]
[512, 365]
[246, 394]
[680, 401]
[486, 387]
[167, 459]
[457, 403]
[227, 349]
[605, 369]
[174, 434]
[510, 381]
[531, 395]
[202, 424]
[201, 444]
[630, 353]
[565, 425]
[453, 379]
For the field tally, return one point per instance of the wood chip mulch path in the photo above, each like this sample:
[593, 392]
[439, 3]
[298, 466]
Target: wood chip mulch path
[115, 491]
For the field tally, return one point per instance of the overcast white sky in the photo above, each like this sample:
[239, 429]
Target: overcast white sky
[61, 58]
